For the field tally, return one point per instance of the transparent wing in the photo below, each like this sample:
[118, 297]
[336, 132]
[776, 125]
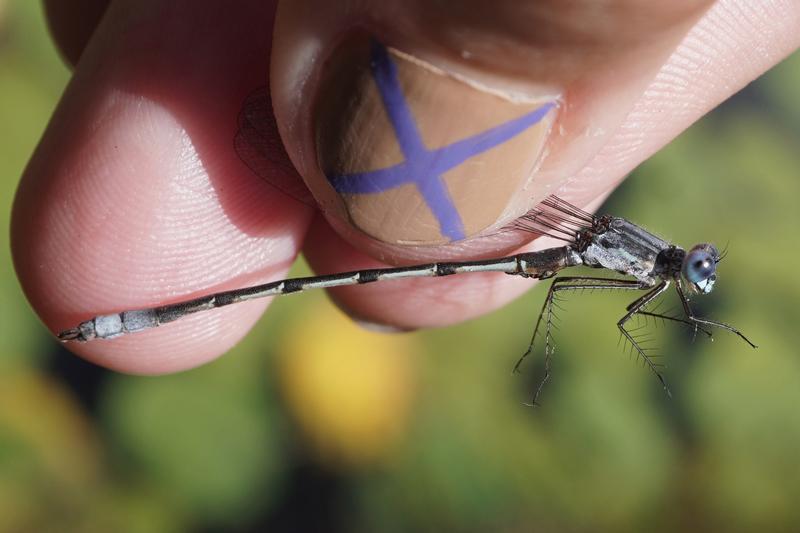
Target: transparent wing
[555, 218]
[259, 146]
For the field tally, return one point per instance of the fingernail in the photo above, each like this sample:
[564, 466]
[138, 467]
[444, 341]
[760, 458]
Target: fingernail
[419, 155]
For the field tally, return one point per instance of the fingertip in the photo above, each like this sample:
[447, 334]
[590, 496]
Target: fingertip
[135, 196]
[418, 124]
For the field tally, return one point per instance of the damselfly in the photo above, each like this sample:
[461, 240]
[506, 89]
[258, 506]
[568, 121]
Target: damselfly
[604, 242]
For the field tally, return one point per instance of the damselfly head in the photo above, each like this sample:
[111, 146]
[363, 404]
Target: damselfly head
[700, 267]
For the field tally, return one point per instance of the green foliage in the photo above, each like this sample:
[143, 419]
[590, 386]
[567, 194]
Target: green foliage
[208, 442]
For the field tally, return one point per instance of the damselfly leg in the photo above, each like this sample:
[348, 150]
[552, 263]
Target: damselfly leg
[699, 322]
[633, 309]
[694, 325]
[573, 283]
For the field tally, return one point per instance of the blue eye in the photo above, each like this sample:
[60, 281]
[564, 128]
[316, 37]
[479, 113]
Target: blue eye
[700, 266]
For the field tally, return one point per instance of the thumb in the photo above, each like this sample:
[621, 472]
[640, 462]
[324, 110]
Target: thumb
[424, 123]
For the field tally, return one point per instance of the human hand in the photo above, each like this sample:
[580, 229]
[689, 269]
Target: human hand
[135, 197]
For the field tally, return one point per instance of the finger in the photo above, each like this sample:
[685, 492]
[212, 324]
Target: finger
[625, 80]
[72, 23]
[135, 196]
[422, 124]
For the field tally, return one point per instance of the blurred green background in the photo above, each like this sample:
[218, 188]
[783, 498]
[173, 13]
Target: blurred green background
[428, 431]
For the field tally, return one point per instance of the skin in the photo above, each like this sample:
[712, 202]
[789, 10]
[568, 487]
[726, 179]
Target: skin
[135, 198]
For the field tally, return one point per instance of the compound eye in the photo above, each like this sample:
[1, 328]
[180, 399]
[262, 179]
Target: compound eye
[700, 265]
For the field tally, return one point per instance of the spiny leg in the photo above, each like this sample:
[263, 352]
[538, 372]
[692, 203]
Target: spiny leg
[546, 308]
[545, 305]
[689, 323]
[633, 309]
[704, 321]
[561, 284]
[658, 314]
[548, 346]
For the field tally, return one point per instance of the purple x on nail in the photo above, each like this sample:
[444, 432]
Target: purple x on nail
[424, 167]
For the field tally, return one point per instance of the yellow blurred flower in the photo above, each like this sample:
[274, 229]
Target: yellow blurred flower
[348, 389]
